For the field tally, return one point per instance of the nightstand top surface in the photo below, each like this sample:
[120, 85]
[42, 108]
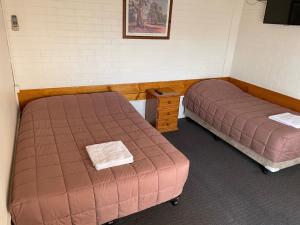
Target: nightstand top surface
[163, 92]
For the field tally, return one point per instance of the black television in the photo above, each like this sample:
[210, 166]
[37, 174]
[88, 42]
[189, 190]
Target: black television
[283, 12]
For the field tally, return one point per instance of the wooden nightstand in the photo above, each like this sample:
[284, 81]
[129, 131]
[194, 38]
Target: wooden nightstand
[162, 108]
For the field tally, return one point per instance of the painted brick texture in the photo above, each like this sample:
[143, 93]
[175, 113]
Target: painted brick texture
[79, 42]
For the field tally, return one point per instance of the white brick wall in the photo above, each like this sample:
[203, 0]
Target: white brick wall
[79, 42]
[268, 55]
[8, 117]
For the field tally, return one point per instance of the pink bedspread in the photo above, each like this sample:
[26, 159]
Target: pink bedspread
[54, 182]
[245, 119]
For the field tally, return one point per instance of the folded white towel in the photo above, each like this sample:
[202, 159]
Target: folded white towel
[109, 154]
[287, 119]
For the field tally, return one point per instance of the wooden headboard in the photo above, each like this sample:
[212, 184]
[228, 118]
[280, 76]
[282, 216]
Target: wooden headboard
[135, 91]
[266, 94]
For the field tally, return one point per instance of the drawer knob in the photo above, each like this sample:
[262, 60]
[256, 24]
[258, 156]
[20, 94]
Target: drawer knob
[169, 102]
[169, 113]
[167, 124]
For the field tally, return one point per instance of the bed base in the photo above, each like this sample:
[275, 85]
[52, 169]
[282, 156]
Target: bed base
[268, 165]
[174, 202]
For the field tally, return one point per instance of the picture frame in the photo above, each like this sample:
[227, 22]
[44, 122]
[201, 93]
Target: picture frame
[147, 19]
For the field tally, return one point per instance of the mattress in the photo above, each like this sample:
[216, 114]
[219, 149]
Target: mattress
[54, 181]
[244, 118]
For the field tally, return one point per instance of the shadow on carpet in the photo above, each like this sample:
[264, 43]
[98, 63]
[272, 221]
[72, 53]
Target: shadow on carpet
[224, 187]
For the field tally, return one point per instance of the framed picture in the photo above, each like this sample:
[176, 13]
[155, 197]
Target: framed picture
[147, 19]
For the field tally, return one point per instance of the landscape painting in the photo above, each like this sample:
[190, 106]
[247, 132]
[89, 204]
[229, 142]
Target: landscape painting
[147, 19]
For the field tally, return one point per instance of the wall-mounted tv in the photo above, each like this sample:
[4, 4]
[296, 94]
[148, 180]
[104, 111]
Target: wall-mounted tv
[283, 12]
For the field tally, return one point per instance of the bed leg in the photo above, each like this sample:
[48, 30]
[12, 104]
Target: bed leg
[266, 171]
[269, 170]
[189, 119]
[175, 201]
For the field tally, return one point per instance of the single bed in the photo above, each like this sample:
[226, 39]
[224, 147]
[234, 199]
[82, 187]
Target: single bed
[242, 120]
[54, 181]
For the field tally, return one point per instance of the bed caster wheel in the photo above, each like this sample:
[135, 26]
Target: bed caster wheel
[175, 201]
[266, 171]
[111, 222]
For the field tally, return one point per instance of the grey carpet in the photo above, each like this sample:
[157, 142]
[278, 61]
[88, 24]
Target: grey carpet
[225, 187]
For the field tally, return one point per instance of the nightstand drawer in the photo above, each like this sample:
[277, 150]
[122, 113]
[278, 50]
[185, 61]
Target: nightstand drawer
[172, 122]
[164, 102]
[165, 113]
[167, 125]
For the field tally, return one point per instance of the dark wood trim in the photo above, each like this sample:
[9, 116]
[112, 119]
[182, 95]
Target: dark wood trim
[125, 36]
[170, 19]
[124, 18]
[135, 91]
[266, 94]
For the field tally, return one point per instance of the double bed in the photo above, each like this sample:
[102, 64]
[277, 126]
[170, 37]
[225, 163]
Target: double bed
[54, 181]
[243, 121]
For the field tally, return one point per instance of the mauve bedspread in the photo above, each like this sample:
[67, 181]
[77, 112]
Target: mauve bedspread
[244, 118]
[54, 181]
